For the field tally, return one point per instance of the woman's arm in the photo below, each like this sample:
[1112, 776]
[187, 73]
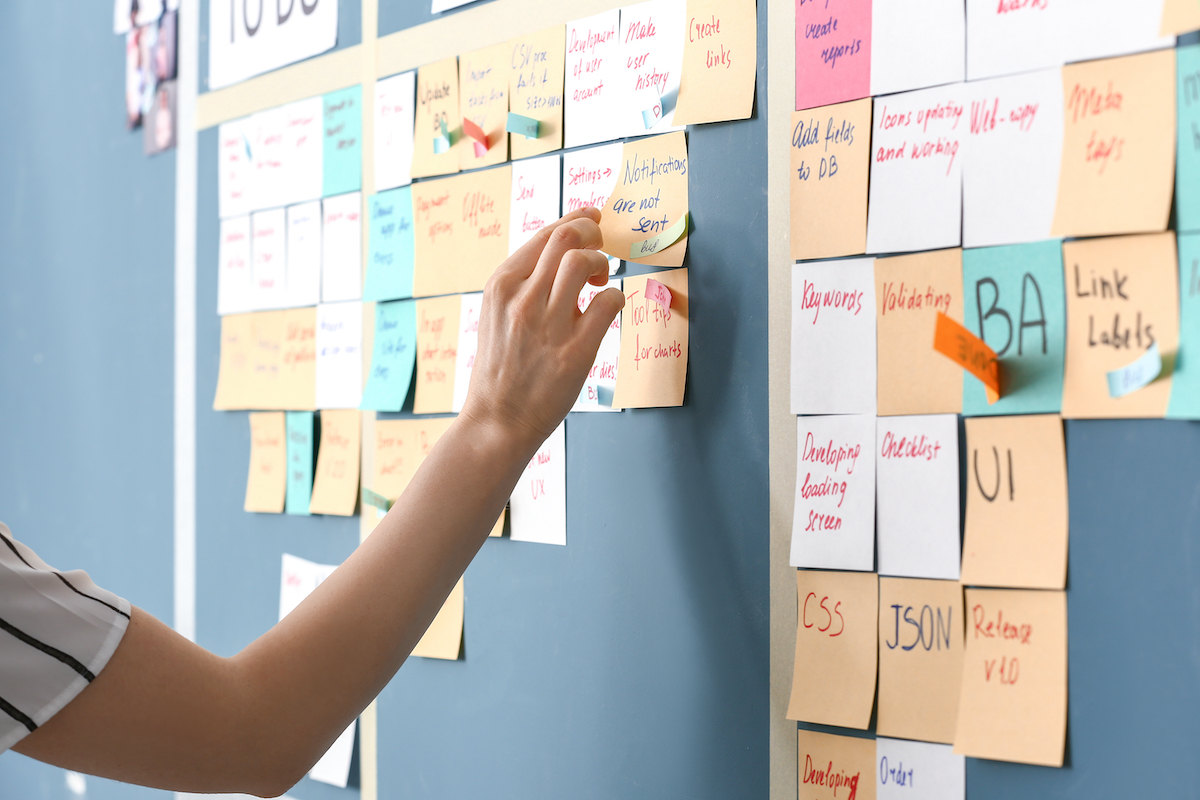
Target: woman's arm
[167, 713]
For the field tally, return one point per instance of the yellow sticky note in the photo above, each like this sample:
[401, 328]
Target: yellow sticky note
[649, 199]
[720, 54]
[835, 767]
[233, 371]
[443, 637]
[266, 354]
[1016, 528]
[1122, 297]
[437, 351]
[266, 483]
[920, 658]
[335, 486]
[460, 231]
[535, 89]
[298, 360]
[833, 679]
[400, 447]
[437, 105]
[652, 368]
[483, 99]
[831, 160]
[1118, 159]
[909, 292]
[1013, 704]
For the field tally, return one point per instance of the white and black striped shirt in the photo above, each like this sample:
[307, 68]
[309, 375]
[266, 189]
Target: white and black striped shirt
[57, 631]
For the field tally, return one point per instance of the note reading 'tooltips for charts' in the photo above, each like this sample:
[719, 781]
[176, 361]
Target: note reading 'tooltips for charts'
[654, 344]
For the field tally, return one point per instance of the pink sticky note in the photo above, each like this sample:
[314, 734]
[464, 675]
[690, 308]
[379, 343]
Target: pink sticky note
[833, 51]
[658, 293]
[480, 149]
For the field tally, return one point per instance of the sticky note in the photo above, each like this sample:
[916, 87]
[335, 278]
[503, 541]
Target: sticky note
[1185, 379]
[1133, 376]
[235, 169]
[1178, 17]
[1013, 37]
[654, 344]
[833, 525]
[302, 167]
[1122, 297]
[917, 516]
[265, 360]
[299, 461]
[268, 234]
[1187, 162]
[833, 767]
[233, 366]
[538, 506]
[1013, 300]
[535, 199]
[483, 106]
[333, 768]
[401, 445]
[1011, 158]
[833, 678]
[913, 46]
[590, 176]
[443, 637]
[1106, 28]
[341, 248]
[270, 164]
[920, 659]
[297, 383]
[335, 487]
[298, 578]
[535, 92]
[831, 156]
[601, 381]
[833, 52]
[904, 767]
[652, 65]
[390, 251]
[910, 291]
[649, 202]
[394, 353]
[658, 293]
[1118, 146]
[593, 69]
[234, 272]
[967, 350]
[394, 117]
[916, 170]
[720, 55]
[342, 141]
[267, 478]
[833, 325]
[468, 345]
[339, 355]
[1013, 704]
[304, 223]
[437, 352]
[437, 101]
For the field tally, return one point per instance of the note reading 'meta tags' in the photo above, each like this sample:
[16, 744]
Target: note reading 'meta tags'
[235, 169]
[535, 89]
[394, 353]
[538, 506]
[720, 55]
[1187, 162]
[833, 680]
[437, 354]
[390, 245]
[483, 101]
[831, 156]
[1118, 146]
[913, 46]
[652, 64]
[339, 355]
[904, 768]
[343, 141]
[833, 52]
[468, 346]
[335, 487]
[304, 223]
[266, 481]
[835, 767]
[235, 274]
[341, 248]
[1013, 704]
[654, 344]
[916, 170]
[593, 69]
[916, 475]
[1122, 297]
[1012, 37]
[590, 176]
[394, 117]
[437, 105]
[833, 526]
[269, 258]
[1185, 381]
[300, 452]
[645, 218]
[536, 196]
[598, 388]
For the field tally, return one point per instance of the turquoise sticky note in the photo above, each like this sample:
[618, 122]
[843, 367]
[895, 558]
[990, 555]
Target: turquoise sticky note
[1013, 300]
[1185, 379]
[343, 141]
[300, 461]
[393, 356]
[1187, 140]
[390, 245]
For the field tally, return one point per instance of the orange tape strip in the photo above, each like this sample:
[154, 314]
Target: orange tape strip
[968, 351]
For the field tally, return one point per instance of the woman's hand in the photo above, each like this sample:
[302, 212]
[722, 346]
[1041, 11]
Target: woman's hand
[535, 347]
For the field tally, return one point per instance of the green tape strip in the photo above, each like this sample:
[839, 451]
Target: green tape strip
[375, 499]
[648, 247]
[525, 126]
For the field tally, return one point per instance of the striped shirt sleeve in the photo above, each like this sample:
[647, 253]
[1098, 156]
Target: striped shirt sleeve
[57, 631]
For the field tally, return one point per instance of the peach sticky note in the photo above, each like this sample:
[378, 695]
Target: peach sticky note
[266, 482]
[535, 89]
[443, 637]
[437, 354]
[233, 369]
[1179, 16]
[1118, 155]
[335, 487]
[1013, 704]
[831, 154]
[967, 350]
[1122, 297]
[920, 658]
[833, 679]
[910, 291]
[400, 447]
[437, 106]
[720, 54]
[649, 201]
[654, 344]
[483, 102]
[265, 351]
[1016, 529]
[298, 360]
[460, 230]
[835, 767]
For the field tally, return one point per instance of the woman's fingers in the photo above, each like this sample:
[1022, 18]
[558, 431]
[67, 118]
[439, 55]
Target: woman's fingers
[599, 315]
[576, 234]
[523, 262]
[578, 267]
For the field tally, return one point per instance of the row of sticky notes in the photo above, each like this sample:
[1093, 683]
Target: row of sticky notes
[1083, 150]
[1060, 316]
[989, 678]
[850, 49]
[833, 767]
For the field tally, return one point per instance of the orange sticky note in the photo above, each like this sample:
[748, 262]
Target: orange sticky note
[437, 102]
[720, 53]
[298, 360]
[652, 367]
[535, 89]
[443, 637]
[1179, 16]
[968, 351]
[460, 231]
[831, 162]
[835, 767]
[437, 353]
[483, 101]
[266, 483]
[650, 197]
[335, 486]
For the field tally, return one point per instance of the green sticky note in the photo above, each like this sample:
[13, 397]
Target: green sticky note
[300, 461]
[1187, 140]
[343, 141]
[393, 356]
[1013, 299]
[1185, 380]
[390, 245]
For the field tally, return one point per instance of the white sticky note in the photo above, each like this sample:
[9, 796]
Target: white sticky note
[235, 169]
[268, 249]
[833, 526]
[234, 271]
[914, 45]
[601, 381]
[339, 355]
[590, 176]
[304, 254]
[915, 199]
[538, 506]
[652, 36]
[1107, 28]
[269, 158]
[906, 770]
[593, 70]
[334, 767]
[536, 198]
[468, 346]
[1005, 37]
[917, 514]
[304, 149]
[341, 248]
[394, 117]
[1011, 158]
[833, 337]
